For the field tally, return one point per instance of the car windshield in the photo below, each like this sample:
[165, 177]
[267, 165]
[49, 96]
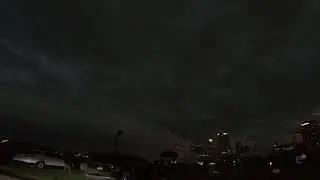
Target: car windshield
[51, 154]
[34, 152]
[37, 152]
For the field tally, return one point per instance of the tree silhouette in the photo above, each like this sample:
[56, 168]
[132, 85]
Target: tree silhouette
[115, 144]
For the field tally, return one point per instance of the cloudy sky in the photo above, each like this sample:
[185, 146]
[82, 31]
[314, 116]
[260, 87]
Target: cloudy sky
[87, 68]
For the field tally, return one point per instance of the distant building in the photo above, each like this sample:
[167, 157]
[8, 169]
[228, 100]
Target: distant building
[297, 138]
[239, 147]
[282, 147]
[184, 150]
[275, 146]
[310, 133]
[223, 143]
[210, 142]
[199, 149]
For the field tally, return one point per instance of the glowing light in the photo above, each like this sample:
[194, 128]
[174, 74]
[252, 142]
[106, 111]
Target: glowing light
[210, 140]
[4, 141]
[222, 134]
[304, 124]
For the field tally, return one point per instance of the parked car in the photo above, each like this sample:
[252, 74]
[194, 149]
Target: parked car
[103, 171]
[40, 159]
[116, 166]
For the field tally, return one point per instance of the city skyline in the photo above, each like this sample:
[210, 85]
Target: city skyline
[87, 69]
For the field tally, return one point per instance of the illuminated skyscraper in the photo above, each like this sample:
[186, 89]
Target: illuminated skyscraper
[223, 143]
[310, 133]
[210, 142]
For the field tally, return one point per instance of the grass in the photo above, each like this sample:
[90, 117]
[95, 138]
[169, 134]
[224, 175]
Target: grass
[30, 173]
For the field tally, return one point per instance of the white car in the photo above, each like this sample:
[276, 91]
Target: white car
[40, 158]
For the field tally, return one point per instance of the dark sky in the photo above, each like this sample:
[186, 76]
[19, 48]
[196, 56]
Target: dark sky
[87, 68]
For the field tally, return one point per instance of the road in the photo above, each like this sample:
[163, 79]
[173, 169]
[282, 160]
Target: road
[2, 177]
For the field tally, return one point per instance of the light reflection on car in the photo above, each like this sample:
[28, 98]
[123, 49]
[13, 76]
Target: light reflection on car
[40, 159]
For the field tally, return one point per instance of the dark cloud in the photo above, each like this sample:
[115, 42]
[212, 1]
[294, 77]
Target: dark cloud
[190, 66]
